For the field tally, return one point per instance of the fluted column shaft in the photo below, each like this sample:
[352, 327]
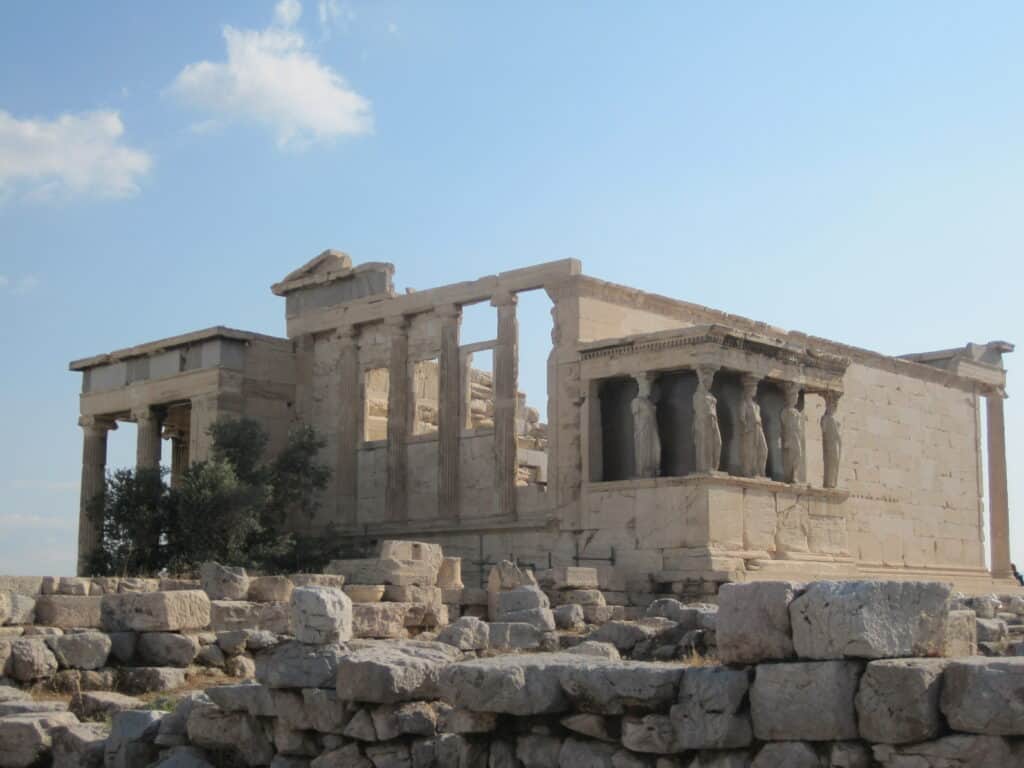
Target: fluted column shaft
[94, 468]
[179, 458]
[147, 449]
[449, 408]
[348, 425]
[398, 419]
[998, 501]
[506, 385]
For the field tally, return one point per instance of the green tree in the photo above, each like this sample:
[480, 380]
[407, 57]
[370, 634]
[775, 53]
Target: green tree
[215, 516]
[133, 514]
[240, 443]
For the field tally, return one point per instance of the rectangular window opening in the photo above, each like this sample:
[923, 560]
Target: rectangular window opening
[425, 396]
[375, 418]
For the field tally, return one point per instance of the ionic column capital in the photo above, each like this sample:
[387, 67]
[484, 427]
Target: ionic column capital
[97, 423]
[448, 311]
[504, 299]
[146, 413]
[399, 323]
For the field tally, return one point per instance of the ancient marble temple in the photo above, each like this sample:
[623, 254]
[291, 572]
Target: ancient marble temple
[682, 447]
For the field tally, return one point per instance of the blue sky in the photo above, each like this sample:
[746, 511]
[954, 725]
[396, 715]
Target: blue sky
[851, 171]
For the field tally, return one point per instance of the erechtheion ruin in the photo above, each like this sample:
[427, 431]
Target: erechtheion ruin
[684, 447]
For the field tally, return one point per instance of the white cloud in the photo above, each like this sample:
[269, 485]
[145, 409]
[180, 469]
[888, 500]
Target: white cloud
[287, 12]
[270, 77]
[75, 155]
[333, 13]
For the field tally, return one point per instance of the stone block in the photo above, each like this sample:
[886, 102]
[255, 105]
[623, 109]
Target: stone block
[185, 610]
[68, 612]
[335, 580]
[624, 635]
[32, 660]
[809, 701]
[576, 753]
[898, 700]
[984, 696]
[139, 680]
[457, 720]
[26, 739]
[173, 585]
[449, 576]
[385, 571]
[961, 635]
[297, 665]
[210, 727]
[73, 585]
[78, 746]
[223, 582]
[250, 697]
[598, 614]
[240, 614]
[412, 550]
[365, 593]
[22, 609]
[81, 650]
[411, 594]
[991, 630]
[466, 634]
[956, 751]
[167, 649]
[788, 754]
[711, 713]
[509, 684]
[131, 740]
[650, 734]
[513, 636]
[754, 621]
[379, 620]
[870, 619]
[579, 597]
[569, 577]
[321, 615]
[326, 712]
[541, 618]
[569, 618]
[606, 688]
[386, 673]
[269, 589]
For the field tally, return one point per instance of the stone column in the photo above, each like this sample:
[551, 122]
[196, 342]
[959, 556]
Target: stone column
[831, 440]
[398, 418]
[94, 468]
[450, 406]
[753, 444]
[646, 442]
[794, 463]
[205, 411]
[179, 457]
[998, 502]
[147, 450]
[506, 384]
[707, 438]
[349, 405]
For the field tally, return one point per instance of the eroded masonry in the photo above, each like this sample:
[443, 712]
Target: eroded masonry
[683, 447]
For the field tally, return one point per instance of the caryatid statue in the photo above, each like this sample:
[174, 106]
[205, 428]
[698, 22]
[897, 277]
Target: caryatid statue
[647, 444]
[831, 440]
[707, 439]
[794, 467]
[753, 445]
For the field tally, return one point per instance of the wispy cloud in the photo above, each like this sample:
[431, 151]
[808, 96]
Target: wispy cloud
[334, 14]
[19, 285]
[74, 155]
[269, 77]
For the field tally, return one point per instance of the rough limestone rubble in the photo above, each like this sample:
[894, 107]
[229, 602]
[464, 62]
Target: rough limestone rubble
[361, 668]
